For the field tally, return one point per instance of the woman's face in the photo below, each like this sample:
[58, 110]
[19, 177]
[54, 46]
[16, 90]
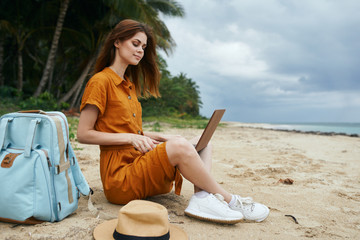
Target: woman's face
[131, 51]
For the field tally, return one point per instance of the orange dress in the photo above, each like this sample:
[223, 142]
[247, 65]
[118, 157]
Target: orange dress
[126, 173]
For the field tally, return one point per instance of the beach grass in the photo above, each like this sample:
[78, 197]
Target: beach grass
[154, 124]
[73, 124]
[157, 123]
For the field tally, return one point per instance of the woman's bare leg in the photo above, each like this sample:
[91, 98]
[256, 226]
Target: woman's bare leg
[181, 153]
[206, 157]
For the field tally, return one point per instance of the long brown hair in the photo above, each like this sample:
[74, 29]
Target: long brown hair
[147, 70]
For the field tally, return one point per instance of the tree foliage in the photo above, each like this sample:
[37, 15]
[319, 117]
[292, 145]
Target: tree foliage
[43, 70]
[180, 96]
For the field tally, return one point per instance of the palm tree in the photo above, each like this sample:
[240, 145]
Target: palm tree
[54, 45]
[148, 11]
[2, 42]
[69, 59]
[18, 24]
[21, 34]
[141, 10]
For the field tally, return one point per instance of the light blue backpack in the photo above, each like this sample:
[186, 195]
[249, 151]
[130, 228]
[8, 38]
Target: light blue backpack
[40, 178]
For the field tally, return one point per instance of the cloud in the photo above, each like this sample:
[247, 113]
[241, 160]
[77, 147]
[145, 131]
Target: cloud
[289, 56]
[226, 58]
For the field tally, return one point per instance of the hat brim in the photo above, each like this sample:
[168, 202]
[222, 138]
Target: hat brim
[105, 230]
[177, 233]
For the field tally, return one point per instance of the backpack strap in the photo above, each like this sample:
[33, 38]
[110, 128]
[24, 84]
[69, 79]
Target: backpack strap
[63, 166]
[79, 178]
[30, 136]
[72, 162]
[3, 127]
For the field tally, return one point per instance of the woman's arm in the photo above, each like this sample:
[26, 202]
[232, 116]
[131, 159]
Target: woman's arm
[160, 137]
[86, 133]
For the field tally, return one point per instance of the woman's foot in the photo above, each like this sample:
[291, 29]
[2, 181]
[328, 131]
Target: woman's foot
[251, 210]
[213, 208]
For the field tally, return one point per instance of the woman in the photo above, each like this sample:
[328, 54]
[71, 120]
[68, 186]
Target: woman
[136, 164]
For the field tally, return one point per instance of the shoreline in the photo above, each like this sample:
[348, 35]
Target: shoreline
[264, 126]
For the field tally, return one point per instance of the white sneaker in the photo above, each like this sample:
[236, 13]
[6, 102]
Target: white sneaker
[212, 208]
[251, 210]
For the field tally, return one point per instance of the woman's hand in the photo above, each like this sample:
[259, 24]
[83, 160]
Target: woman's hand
[142, 143]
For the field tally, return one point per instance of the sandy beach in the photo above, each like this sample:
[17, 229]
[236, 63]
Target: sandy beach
[324, 197]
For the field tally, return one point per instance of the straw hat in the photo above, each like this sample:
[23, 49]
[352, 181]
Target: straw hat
[137, 219]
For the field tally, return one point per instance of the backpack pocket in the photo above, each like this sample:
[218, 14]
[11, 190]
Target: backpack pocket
[25, 187]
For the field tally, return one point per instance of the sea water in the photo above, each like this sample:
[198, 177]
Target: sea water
[344, 128]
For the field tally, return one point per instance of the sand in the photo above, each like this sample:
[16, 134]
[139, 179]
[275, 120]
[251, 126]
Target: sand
[324, 197]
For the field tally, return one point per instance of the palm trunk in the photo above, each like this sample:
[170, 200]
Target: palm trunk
[54, 46]
[76, 97]
[50, 80]
[79, 83]
[20, 71]
[1, 61]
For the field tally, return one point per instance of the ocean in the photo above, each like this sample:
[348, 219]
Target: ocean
[339, 128]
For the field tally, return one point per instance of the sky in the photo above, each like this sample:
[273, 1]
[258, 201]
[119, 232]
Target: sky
[271, 61]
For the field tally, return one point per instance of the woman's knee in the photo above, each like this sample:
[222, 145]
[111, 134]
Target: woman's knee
[179, 148]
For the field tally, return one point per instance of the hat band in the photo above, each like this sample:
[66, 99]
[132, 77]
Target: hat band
[119, 236]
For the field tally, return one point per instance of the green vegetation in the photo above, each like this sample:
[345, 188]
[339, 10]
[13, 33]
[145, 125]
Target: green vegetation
[73, 123]
[154, 124]
[180, 96]
[9, 101]
[48, 49]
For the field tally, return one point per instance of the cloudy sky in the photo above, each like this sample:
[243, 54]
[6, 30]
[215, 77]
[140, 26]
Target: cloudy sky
[271, 60]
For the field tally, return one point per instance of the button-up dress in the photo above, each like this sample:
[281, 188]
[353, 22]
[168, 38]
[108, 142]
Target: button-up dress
[126, 173]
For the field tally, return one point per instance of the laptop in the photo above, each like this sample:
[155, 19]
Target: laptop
[209, 129]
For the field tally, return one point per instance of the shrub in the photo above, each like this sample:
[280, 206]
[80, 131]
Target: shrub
[45, 102]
